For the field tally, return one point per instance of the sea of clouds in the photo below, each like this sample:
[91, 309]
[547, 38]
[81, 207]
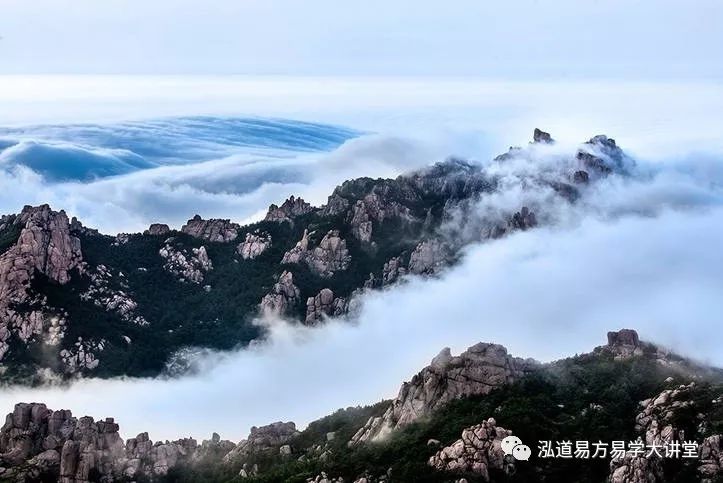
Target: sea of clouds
[641, 252]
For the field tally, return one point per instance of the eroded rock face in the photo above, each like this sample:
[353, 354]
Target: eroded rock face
[543, 137]
[264, 440]
[188, 266]
[625, 343]
[654, 423]
[254, 245]
[290, 209]
[283, 296]
[46, 246]
[374, 208]
[214, 230]
[38, 441]
[711, 459]
[158, 229]
[478, 451]
[324, 304]
[393, 270]
[429, 257]
[330, 256]
[326, 259]
[479, 370]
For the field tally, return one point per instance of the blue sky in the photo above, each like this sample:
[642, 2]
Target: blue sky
[503, 39]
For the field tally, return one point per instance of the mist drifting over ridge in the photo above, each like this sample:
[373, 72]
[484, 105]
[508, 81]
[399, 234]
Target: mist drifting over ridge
[598, 265]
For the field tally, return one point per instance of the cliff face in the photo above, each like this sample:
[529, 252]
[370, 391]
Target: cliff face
[301, 262]
[479, 370]
[44, 246]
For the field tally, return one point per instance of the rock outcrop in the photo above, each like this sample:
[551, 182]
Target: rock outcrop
[214, 230]
[542, 137]
[324, 260]
[324, 304]
[290, 209]
[477, 452]
[429, 257]
[658, 425]
[710, 467]
[158, 229]
[254, 245]
[393, 270]
[479, 370]
[44, 246]
[624, 343]
[264, 440]
[283, 296]
[188, 266]
[38, 443]
[375, 208]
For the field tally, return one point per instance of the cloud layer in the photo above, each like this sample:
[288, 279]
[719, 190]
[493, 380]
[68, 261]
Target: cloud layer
[642, 253]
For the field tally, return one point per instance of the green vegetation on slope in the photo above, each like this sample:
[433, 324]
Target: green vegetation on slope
[591, 397]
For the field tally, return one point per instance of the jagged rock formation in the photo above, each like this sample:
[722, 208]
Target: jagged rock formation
[429, 257]
[254, 245]
[282, 297]
[711, 459]
[329, 257]
[36, 442]
[324, 304]
[393, 270]
[187, 266]
[214, 230]
[476, 452]
[479, 370]
[657, 425]
[270, 439]
[290, 209]
[373, 208]
[624, 343]
[158, 229]
[44, 245]
[543, 137]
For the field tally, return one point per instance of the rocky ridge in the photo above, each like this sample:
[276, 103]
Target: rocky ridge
[290, 209]
[36, 442]
[214, 230]
[479, 370]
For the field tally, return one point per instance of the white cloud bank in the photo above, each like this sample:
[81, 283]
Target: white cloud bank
[545, 293]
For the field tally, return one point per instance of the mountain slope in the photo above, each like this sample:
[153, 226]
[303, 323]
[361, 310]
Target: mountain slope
[136, 304]
[621, 391]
